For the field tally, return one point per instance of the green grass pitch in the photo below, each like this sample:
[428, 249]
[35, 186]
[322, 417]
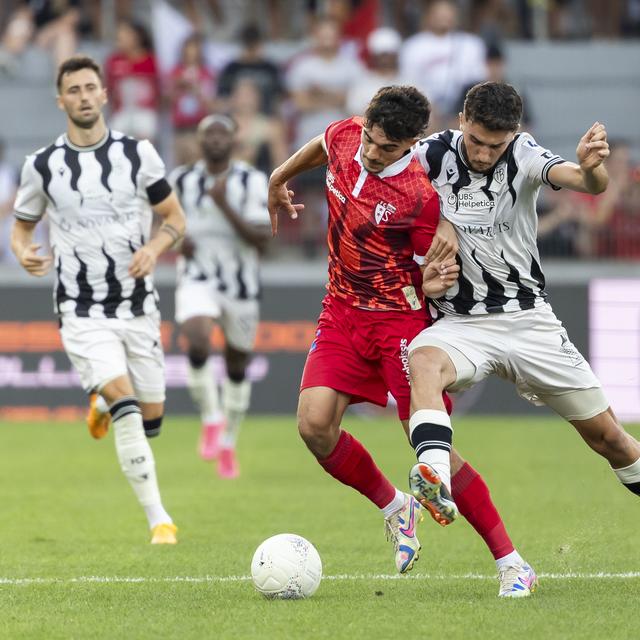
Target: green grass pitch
[75, 558]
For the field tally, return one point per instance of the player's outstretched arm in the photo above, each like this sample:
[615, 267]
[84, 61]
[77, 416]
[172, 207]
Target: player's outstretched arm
[438, 277]
[310, 156]
[590, 174]
[170, 232]
[26, 251]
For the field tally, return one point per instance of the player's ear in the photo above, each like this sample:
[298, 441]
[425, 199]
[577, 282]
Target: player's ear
[460, 120]
[59, 102]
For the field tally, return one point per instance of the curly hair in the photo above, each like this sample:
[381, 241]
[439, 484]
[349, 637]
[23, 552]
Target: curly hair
[402, 112]
[75, 63]
[495, 105]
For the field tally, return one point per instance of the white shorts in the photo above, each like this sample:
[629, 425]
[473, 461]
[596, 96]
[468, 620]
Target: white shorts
[238, 319]
[102, 349]
[530, 348]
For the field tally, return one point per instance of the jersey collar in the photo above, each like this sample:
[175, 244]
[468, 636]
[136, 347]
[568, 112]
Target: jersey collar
[393, 169]
[92, 147]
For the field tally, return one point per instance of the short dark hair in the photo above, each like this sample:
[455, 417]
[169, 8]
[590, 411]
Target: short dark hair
[402, 112]
[250, 34]
[497, 106]
[75, 63]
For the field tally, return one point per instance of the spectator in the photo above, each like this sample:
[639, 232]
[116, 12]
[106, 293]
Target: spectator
[191, 96]
[8, 189]
[260, 139]
[253, 64]
[618, 230]
[132, 82]
[441, 61]
[318, 82]
[357, 19]
[52, 24]
[496, 72]
[8, 186]
[606, 225]
[383, 46]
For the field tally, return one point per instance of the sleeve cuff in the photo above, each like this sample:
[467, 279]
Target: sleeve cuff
[545, 172]
[158, 191]
[27, 217]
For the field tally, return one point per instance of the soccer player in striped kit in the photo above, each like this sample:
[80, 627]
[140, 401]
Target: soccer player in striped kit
[225, 202]
[98, 188]
[496, 318]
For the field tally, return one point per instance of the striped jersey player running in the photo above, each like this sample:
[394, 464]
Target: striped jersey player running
[496, 317]
[383, 212]
[225, 202]
[98, 188]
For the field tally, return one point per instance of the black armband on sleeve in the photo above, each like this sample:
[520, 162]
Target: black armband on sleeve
[158, 191]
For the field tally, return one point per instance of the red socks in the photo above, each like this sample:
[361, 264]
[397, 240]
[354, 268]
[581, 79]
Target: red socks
[473, 499]
[351, 464]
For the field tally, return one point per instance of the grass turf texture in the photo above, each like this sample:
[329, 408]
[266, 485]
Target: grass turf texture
[67, 513]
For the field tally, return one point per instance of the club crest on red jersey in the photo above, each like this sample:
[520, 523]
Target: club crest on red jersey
[383, 211]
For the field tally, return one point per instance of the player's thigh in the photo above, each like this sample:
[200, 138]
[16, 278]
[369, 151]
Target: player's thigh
[549, 369]
[393, 332]
[470, 349]
[197, 332]
[145, 357]
[239, 321]
[196, 298]
[334, 361]
[95, 349]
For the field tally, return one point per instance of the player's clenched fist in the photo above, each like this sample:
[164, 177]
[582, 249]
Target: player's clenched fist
[33, 263]
[438, 277]
[593, 147]
[142, 263]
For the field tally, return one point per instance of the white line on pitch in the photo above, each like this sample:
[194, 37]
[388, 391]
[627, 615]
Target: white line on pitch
[362, 576]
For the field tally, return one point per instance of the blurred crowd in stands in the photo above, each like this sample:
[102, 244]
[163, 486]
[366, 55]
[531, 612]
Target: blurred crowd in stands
[167, 64]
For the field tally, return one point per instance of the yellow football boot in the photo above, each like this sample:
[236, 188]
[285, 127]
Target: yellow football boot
[164, 534]
[97, 421]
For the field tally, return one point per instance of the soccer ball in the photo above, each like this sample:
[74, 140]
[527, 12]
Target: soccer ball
[286, 567]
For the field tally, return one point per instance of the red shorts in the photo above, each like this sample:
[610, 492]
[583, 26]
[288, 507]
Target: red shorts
[364, 353]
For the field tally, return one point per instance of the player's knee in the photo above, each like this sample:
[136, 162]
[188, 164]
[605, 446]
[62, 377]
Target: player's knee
[314, 426]
[236, 374]
[425, 367]
[198, 355]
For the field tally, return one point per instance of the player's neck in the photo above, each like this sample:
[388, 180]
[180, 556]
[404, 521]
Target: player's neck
[214, 168]
[87, 137]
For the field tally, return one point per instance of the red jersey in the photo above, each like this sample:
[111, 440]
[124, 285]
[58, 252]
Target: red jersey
[377, 224]
[194, 88]
[132, 83]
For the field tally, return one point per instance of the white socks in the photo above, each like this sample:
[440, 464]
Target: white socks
[136, 458]
[395, 505]
[430, 433]
[512, 559]
[630, 474]
[235, 401]
[205, 394]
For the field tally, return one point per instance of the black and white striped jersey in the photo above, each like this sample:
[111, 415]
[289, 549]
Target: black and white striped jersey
[221, 255]
[496, 220]
[98, 200]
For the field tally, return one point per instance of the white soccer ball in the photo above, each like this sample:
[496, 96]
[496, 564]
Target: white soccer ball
[286, 567]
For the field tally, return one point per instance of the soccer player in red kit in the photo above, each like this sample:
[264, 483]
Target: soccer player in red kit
[384, 219]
